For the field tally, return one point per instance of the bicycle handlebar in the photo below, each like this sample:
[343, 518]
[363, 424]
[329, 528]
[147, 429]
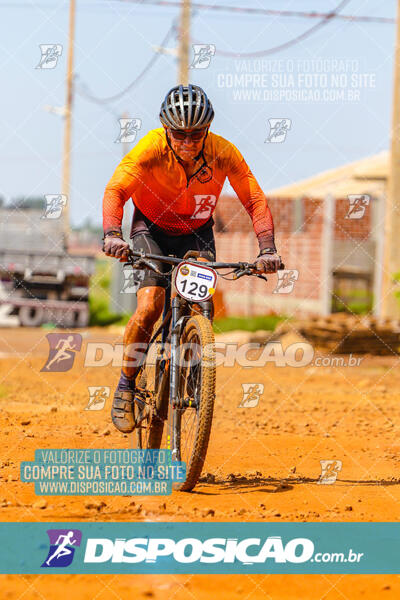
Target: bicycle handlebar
[144, 259]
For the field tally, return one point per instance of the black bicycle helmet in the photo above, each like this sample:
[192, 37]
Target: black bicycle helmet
[186, 107]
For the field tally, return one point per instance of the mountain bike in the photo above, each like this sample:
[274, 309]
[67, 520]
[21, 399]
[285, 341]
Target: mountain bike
[175, 383]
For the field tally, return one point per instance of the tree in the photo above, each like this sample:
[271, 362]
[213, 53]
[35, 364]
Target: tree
[24, 202]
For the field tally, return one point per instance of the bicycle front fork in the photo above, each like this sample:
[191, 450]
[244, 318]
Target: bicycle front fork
[178, 321]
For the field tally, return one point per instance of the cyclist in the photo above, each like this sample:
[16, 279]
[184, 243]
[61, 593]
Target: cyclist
[174, 176]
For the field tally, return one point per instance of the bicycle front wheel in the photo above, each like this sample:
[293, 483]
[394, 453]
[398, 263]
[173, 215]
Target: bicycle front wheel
[191, 425]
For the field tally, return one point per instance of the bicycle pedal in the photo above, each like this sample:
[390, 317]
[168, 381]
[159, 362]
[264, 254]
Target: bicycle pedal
[143, 396]
[140, 403]
[141, 392]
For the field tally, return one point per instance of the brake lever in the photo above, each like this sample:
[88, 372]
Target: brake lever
[131, 262]
[151, 265]
[240, 274]
[143, 262]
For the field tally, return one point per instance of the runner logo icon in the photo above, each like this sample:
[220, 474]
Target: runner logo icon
[251, 394]
[278, 129]
[128, 130]
[203, 54]
[62, 351]
[286, 280]
[205, 204]
[132, 281]
[329, 471]
[54, 206]
[357, 206]
[50, 53]
[97, 397]
[63, 543]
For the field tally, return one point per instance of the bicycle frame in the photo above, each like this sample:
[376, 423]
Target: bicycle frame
[182, 389]
[177, 324]
[173, 311]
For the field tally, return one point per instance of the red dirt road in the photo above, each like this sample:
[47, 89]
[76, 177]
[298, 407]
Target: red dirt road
[263, 464]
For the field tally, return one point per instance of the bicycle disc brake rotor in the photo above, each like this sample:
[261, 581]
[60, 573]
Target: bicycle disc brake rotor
[190, 396]
[192, 384]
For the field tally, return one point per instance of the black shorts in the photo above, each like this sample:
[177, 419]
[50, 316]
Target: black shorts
[156, 241]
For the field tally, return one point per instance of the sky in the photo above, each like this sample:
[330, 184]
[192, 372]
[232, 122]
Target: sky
[333, 88]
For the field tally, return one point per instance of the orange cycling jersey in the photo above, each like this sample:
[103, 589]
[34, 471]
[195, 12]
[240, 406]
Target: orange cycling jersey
[151, 174]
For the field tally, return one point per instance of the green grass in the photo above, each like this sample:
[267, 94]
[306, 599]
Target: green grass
[268, 322]
[358, 302]
[99, 296]
[396, 277]
[100, 314]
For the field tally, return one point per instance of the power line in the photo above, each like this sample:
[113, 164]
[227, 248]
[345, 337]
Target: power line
[84, 91]
[325, 19]
[227, 8]
[266, 11]
[289, 43]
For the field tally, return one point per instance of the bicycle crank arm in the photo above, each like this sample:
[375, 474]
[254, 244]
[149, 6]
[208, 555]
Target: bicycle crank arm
[144, 410]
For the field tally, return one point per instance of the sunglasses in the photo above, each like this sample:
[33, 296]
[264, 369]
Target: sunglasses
[196, 135]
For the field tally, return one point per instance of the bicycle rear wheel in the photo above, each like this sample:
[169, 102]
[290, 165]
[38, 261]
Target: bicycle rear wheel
[153, 388]
[191, 426]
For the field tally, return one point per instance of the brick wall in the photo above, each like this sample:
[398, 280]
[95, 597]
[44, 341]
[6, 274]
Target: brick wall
[300, 247]
[351, 229]
[301, 239]
[231, 216]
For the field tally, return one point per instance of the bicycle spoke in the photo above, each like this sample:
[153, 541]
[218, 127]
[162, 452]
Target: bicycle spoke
[196, 383]
[188, 438]
[148, 433]
[190, 375]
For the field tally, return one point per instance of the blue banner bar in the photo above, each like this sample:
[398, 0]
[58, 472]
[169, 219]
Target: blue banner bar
[102, 472]
[204, 548]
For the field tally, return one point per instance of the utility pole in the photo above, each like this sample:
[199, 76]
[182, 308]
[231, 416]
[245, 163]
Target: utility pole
[128, 206]
[391, 262]
[66, 160]
[184, 41]
[125, 145]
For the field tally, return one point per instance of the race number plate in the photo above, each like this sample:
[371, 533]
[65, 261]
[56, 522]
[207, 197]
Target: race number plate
[194, 282]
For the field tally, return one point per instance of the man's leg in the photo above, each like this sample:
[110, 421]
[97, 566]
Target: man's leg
[150, 304]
